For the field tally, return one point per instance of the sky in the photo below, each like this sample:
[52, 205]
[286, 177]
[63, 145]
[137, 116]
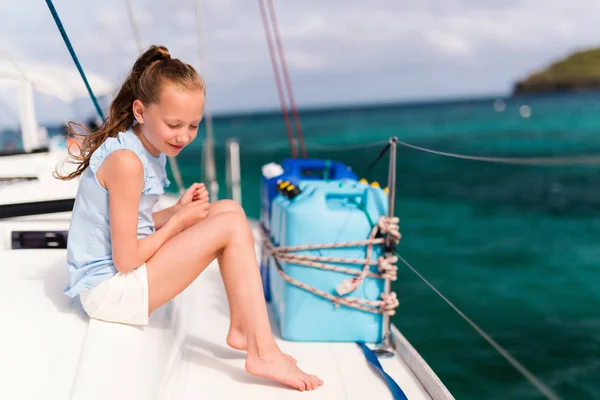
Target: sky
[338, 51]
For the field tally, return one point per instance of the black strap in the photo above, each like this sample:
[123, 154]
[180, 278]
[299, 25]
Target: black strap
[36, 208]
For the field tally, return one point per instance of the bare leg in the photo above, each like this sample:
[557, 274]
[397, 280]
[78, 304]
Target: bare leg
[180, 260]
[236, 337]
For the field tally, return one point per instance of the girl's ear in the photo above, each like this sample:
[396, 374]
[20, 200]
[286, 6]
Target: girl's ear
[138, 111]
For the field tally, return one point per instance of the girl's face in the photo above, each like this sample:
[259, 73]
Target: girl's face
[172, 123]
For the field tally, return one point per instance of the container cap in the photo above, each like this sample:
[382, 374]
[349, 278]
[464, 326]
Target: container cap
[271, 170]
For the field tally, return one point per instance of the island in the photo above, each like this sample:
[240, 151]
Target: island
[577, 72]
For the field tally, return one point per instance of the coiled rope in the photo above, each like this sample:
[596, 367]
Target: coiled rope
[386, 267]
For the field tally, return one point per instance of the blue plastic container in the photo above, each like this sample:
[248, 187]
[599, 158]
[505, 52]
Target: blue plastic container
[277, 206]
[281, 202]
[295, 170]
[326, 213]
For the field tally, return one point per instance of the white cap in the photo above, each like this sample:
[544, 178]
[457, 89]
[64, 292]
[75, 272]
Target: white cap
[272, 170]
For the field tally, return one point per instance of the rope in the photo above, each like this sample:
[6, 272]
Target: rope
[352, 284]
[541, 161]
[63, 33]
[349, 147]
[387, 268]
[284, 110]
[349, 271]
[545, 390]
[578, 160]
[286, 77]
[357, 261]
[355, 243]
[386, 305]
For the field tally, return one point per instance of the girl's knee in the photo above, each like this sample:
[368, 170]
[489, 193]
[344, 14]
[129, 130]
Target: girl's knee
[235, 223]
[222, 206]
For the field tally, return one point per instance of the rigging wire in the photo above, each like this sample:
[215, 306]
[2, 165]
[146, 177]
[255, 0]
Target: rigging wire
[286, 77]
[280, 93]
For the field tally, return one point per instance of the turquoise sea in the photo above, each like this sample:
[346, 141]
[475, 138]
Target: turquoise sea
[514, 247]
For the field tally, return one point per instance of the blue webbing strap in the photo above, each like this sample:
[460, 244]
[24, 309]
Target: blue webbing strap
[75, 60]
[372, 359]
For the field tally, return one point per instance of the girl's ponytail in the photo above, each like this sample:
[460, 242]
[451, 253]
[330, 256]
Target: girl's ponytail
[143, 83]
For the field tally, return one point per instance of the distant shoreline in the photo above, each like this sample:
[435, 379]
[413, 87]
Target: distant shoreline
[574, 85]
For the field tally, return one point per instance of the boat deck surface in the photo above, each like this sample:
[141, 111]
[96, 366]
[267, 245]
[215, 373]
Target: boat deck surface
[52, 350]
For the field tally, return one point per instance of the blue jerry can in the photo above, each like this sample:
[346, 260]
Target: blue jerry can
[326, 213]
[296, 171]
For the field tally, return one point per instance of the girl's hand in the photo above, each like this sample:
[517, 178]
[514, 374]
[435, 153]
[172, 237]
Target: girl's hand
[196, 192]
[191, 213]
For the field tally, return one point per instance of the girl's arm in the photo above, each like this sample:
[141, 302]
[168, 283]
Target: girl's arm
[161, 217]
[122, 174]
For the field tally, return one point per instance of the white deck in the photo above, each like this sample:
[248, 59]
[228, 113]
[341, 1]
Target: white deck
[213, 370]
[51, 350]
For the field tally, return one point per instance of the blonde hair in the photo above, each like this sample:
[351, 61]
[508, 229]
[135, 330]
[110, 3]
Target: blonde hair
[154, 67]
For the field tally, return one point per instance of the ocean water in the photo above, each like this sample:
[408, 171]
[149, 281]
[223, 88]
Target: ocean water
[515, 247]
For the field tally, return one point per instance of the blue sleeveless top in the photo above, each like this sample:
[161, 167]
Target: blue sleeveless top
[89, 250]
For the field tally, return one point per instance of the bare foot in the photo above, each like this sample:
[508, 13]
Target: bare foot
[236, 338]
[280, 368]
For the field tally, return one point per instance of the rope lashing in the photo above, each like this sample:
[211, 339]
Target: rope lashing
[356, 243]
[390, 302]
[385, 265]
[350, 285]
[391, 226]
[388, 267]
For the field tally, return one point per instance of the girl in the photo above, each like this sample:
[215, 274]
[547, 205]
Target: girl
[125, 261]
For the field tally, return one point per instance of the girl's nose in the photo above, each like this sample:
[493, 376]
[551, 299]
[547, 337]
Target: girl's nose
[182, 140]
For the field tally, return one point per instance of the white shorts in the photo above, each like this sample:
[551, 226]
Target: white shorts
[121, 298]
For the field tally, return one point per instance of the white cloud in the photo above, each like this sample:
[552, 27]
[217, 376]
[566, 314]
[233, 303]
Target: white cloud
[304, 61]
[186, 19]
[449, 43]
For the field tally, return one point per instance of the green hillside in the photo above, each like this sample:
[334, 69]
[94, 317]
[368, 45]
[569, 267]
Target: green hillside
[577, 72]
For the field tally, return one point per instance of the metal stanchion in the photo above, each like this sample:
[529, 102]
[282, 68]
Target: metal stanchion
[386, 348]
